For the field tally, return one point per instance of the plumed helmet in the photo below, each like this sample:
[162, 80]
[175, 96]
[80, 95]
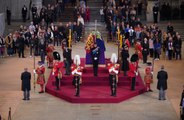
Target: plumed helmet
[56, 55]
[114, 58]
[77, 60]
[134, 58]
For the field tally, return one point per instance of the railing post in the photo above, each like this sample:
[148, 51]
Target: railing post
[9, 114]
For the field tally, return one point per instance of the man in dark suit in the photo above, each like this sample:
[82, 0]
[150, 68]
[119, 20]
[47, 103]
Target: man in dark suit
[67, 59]
[95, 53]
[8, 15]
[26, 83]
[24, 13]
[155, 13]
[162, 77]
[21, 43]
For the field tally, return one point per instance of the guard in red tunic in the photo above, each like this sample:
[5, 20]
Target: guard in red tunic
[56, 71]
[113, 68]
[132, 73]
[77, 73]
[40, 70]
[50, 57]
[148, 78]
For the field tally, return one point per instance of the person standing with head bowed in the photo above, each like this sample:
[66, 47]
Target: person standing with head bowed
[77, 73]
[113, 69]
[56, 71]
[162, 77]
[40, 71]
[26, 83]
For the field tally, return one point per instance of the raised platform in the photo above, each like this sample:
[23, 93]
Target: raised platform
[94, 89]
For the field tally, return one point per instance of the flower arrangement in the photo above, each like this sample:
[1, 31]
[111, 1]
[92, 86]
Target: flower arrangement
[89, 43]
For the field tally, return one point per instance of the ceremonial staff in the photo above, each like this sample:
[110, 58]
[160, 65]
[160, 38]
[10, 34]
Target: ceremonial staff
[34, 83]
[70, 38]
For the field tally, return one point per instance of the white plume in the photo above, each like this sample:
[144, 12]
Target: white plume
[77, 60]
[114, 58]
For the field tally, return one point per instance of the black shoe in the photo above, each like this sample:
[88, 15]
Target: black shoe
[23, 99]
[112, 95]
[77, 95]
[150, 90]
[57, 89]
[41, 92]
[28, 99]
[159, 99]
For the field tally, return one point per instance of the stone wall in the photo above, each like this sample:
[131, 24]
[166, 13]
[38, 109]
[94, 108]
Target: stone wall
[16, 7]
[2, 23]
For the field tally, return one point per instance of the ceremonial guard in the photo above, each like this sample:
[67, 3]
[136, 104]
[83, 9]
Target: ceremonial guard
[148, 78]
[50, 57]
[57, 69]
[113, 68]
[40, 76]
[95, 53]
[77, 72]
[133, 70]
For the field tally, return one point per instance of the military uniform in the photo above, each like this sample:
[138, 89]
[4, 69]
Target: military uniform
[95, 53]
[148, 78]
[41, 78]
[132, 74]
[50, 57]
[57, 73]
[113, 78]
[77, 72]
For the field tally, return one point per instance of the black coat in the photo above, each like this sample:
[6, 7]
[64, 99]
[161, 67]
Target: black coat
[67, 54]
[26, 81]
[125, 63]
[182, 98]
[162, 80]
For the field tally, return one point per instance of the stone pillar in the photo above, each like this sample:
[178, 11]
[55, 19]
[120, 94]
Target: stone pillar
[2, 23]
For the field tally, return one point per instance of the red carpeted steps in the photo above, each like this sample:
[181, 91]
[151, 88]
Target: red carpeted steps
[94, 89]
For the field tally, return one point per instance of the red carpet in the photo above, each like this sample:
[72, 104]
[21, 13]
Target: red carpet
[94, 89]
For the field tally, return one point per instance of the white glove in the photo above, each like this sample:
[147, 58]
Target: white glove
[34, 71]
[52, 73]
[136, 73]
[152, 73]
[95, 58]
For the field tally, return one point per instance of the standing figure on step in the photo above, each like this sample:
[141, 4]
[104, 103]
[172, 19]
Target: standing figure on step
[67, 59]
[77, 73]
[124, 57]
[40, 76]
[113, 68]
[133, 70]
[56, 71]
[95, 53]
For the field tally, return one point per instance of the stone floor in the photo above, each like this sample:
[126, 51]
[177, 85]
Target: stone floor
[46, 107]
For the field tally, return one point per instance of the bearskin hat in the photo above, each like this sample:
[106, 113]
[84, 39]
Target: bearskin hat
[56, 55]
